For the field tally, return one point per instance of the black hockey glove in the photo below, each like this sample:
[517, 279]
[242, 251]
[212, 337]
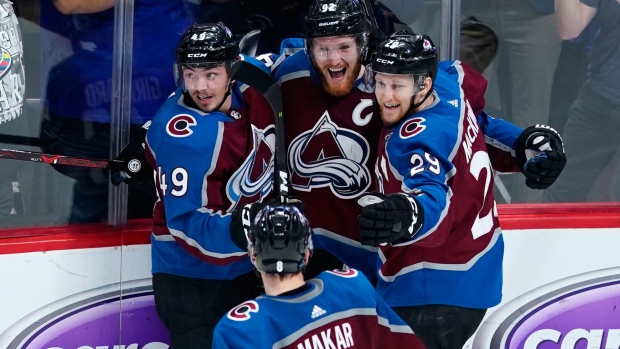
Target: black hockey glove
[387, 218]
[540, 153]
[135, 168]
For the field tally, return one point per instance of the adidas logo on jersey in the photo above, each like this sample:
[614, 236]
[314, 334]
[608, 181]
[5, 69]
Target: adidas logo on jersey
[317, 311]
[454, 103]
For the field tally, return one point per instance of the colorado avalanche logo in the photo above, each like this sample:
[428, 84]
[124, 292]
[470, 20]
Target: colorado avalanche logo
[243, 311]
[412, 127]
[179, 125]
[245, 182]
[347, 273]
[427, 45]
[329, 156]
[5, 63]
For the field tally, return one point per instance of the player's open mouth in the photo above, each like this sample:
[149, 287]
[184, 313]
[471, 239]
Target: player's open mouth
[204, 98]
[337, 73]
[391, 106]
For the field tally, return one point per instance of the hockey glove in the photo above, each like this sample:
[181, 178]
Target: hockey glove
[387, 218]
[240, 221]
[135, 168]
[540, 153]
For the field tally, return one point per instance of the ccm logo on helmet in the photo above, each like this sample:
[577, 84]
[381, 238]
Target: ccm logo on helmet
[179, 125]
[197, 55]
[384, 61]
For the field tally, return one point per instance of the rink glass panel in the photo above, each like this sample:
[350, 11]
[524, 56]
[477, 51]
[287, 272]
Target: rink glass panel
[69, 84]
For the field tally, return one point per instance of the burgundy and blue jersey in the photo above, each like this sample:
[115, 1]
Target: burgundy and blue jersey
[331, 144]
[206, 165]
[338, 309]
[447, 151]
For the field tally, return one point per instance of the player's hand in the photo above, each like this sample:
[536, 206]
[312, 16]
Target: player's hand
[134, 167]
[387, 218]
[241, 220]
[540, 152]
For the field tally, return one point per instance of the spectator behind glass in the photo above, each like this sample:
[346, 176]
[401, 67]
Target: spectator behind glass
[479, 44]
[78, 100]
[591, 130]
[521, 77]
[570, 74]
[277, 19]
[12, 88]
[341, 304]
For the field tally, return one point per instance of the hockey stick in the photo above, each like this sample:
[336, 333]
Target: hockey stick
[255, 77]
[376, 34]
[43, 158]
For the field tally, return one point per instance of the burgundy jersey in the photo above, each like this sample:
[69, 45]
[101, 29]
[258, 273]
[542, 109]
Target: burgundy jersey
[331, 153]
[440, 156]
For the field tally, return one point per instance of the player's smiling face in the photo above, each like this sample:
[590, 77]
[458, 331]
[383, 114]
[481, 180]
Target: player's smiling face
[394, 95]
[206, 86]
[336, 60]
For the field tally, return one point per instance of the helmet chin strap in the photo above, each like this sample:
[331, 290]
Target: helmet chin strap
[224, 99]
[413, 107]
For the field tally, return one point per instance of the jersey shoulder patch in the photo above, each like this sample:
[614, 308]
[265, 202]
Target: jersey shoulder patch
[412, 127]
[349, 273]
[243, 311]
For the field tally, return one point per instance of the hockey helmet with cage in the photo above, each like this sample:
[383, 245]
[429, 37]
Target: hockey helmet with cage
[205, 45]
[327, 18]
[279, 238]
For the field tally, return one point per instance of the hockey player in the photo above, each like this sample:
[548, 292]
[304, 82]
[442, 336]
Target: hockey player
[211, 144]
[434, 216]
[338, 309]
[331, 130]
